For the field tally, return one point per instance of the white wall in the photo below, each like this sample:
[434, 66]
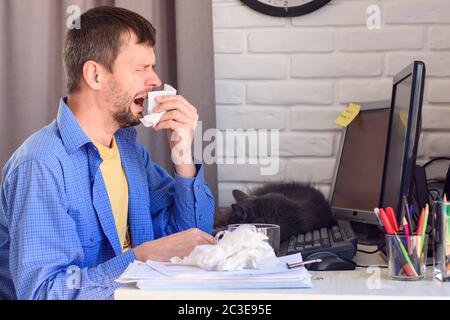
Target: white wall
[297, 74]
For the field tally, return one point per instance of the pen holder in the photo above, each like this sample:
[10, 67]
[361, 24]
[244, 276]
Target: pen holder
[441, 240]
[407, 256]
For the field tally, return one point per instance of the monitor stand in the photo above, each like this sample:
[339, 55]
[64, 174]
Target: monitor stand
[368, 234]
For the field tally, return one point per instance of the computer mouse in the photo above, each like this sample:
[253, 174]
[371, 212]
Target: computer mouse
[330, 262]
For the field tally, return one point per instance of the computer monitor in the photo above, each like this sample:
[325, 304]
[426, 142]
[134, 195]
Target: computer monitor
[357, 183]
[377, 154]
[405, 124]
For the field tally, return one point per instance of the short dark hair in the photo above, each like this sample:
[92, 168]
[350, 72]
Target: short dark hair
[100, 38]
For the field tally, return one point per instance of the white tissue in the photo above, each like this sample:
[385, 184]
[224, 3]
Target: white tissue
[152, 119]
[243, 248]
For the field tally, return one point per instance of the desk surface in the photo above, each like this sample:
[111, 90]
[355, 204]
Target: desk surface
[363, 283]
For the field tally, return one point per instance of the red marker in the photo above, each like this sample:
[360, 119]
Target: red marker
[408, 270]
[386, 222]
[391, 215]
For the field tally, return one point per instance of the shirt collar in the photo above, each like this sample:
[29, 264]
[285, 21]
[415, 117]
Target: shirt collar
[74, 137]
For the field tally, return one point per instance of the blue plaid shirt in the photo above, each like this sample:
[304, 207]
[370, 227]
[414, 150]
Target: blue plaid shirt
[58, 238]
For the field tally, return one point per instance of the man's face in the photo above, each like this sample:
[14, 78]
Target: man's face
[132, 78]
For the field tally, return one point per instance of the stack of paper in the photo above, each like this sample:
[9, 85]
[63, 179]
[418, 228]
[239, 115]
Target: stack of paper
[169, 276]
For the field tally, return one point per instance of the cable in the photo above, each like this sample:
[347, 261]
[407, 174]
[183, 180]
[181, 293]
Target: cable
[435, 180]
[371, 252]
[433, 196]
[435, 190]
[362, 266]
[435, 159]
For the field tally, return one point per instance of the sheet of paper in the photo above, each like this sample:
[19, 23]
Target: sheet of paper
[186, 272]
[292, 283]
[158, 275]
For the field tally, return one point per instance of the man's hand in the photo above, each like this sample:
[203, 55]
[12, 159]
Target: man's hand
[180, 121]
[178, 244]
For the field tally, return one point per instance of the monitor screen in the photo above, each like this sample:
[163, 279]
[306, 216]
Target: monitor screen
[403, 136]
[378, 152]
[357, 186]
[397, 144]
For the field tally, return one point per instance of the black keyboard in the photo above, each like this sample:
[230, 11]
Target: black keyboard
[340, 239]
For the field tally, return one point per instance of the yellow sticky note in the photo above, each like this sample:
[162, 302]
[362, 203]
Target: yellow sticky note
[348, 115]
[404, 117]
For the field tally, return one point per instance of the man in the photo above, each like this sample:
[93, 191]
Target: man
[81, 198]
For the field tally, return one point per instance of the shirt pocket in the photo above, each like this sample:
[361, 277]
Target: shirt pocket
[92, 237]
[89, 229]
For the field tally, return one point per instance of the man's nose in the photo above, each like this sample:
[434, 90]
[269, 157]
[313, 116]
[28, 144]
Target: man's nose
[152, 80]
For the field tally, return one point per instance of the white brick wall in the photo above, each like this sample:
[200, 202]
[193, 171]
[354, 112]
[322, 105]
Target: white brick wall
[297, 74]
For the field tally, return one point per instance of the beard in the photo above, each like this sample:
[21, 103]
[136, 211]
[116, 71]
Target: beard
[125, 118]
[121, 103]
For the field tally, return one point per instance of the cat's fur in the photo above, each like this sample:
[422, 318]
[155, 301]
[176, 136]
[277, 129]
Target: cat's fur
[295, 207]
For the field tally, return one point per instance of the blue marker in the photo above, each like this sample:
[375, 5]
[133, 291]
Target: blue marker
[411, 216]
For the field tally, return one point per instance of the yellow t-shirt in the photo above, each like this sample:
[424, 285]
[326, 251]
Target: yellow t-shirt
[117, 187]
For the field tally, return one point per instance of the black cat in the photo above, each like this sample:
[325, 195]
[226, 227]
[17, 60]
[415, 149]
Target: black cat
[295, 207]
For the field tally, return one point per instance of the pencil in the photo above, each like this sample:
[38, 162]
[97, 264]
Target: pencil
[406, 230]
[424, 229]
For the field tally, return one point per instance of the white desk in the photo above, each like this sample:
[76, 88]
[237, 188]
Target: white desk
[362, 283]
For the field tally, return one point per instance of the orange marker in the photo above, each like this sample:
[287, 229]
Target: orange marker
[420, 223]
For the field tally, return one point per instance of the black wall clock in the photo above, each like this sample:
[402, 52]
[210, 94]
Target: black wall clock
[285, 8]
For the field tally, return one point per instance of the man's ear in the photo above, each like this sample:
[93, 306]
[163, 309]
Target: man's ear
[92, 74]
[239, 195]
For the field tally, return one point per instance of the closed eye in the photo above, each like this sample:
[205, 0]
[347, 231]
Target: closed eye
[145, 67]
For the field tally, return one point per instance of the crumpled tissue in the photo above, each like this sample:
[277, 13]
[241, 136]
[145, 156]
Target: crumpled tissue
[244, 248]
[152, 118]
